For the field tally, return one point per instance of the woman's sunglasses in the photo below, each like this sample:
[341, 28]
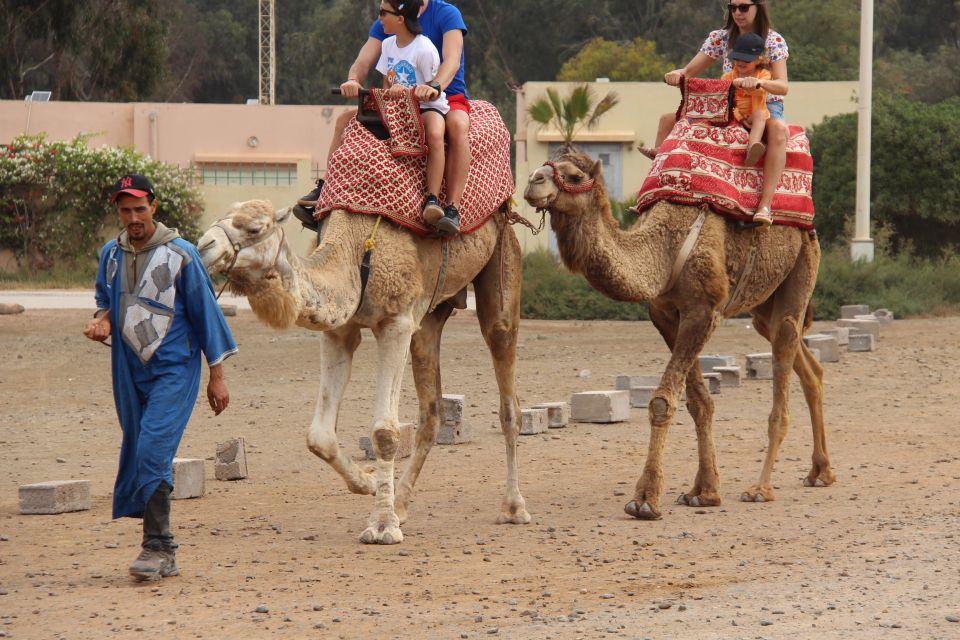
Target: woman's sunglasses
[741, 8]
[384, 12]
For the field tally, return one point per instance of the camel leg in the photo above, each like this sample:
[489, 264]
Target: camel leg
[393, 344]
[811, 378]
[499, 327]
[425, 354]
[694, 329]
[336, 360]
[706, 485]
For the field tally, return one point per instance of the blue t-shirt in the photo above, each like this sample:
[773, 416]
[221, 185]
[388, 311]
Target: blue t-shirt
[439, 18]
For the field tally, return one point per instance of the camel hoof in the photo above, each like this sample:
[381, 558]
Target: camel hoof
[749, 497]
[382, 535]
[807, 482]
[518, 517]
[643, 512]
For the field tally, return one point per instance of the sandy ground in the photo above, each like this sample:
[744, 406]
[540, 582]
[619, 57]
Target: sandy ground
[877, 555]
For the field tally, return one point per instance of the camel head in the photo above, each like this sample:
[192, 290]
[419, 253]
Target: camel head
[248, 245]
[563, 186]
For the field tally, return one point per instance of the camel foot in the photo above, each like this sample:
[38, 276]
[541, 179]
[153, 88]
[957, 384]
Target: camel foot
[513, 512]
[757, 494]
[699, 500]
[363, 484]
[382, 534]
[641, 512]
[817, 478]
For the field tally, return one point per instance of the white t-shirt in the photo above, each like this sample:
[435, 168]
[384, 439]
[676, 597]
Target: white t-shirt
[416, 63]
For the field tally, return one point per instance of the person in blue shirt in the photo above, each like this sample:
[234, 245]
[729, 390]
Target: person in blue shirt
[443, 24]
[156, 304]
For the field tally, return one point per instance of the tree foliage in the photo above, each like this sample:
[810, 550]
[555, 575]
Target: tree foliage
[570, 114]
[634, 61]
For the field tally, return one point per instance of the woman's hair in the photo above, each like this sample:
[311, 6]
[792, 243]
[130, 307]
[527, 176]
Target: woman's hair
[410, 10]
[763, 22]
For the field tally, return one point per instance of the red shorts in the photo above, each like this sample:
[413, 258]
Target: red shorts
[458, 102]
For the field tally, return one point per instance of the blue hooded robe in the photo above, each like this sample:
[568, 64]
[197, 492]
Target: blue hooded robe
[163, 313]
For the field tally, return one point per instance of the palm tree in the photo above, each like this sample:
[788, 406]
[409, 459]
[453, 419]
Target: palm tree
[571, 114]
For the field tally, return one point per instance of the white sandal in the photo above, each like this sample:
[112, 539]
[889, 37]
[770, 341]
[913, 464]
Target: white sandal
[763, 216]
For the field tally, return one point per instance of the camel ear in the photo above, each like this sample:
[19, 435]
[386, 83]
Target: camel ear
[596, 169]
[283, 214]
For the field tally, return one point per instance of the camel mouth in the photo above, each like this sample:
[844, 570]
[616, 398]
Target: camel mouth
[540, 203]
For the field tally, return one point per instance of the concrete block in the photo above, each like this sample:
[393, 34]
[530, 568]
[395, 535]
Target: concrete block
[59, 496]
[871, 326]
[842, 334]
[729, 376]
[189, 479]
[408, 441]
[533, 421]
[815, 353]
[230, 462]
[712, 381]
[708, 363]
[558, 413]
[640, 396]
[760, 366]
[625, 383]
[600, 406]
[453, 408]
[848, 311]
[10, 308]
[454, 433]
[860, 342]
[228, 309]
[885, 316]
[829, 346]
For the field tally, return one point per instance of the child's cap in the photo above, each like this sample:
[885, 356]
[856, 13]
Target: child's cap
[410, 10]
[748, 47]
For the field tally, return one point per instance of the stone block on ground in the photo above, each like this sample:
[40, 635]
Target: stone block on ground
[871, 326]
[861, 342]
[815, 352]
[600, 406]
[228, 309]
[533, 421]
[59, 496]
[848, 311]
[708, 363]
[408, 441]
[557, 413]
[453, 408]
[829, 346]
[760, 366]
[729, 376]
[712, 380]
[884, 316]
[10, 308]
[625, 383]
[454, 433]
[189, 479]
[230, 462]
[640, 396]
[842, 334]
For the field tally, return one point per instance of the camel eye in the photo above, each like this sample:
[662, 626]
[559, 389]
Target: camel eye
[575, 178]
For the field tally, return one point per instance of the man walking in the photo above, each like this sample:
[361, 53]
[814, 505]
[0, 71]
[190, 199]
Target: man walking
[156, 304]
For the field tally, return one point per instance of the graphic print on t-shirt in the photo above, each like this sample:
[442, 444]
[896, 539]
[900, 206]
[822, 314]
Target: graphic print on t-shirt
[401, 72]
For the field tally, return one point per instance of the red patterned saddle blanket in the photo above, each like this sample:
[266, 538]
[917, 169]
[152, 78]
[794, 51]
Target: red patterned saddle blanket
[388, 177]
[702, 162]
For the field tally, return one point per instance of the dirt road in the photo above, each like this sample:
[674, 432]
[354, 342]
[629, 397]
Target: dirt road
[877, 555]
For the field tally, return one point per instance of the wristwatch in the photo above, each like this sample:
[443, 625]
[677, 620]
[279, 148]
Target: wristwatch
[436, 87]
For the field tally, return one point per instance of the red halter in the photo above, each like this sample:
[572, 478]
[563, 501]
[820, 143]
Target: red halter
[583, 187]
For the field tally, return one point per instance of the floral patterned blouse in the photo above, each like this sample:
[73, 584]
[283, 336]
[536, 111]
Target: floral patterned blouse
[715, 46]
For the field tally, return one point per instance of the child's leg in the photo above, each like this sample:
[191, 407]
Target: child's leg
[436, 159]
[756, 148]
[664, 127]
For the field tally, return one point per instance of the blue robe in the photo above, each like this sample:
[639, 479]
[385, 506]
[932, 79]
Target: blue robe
[163, 314]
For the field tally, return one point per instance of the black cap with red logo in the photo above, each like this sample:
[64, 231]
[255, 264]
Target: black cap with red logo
[132, 184]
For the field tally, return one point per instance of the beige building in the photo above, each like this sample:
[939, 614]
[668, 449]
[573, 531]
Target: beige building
[242, 152]
[634, 121]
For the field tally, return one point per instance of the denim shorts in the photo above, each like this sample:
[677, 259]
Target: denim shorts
[776, 109]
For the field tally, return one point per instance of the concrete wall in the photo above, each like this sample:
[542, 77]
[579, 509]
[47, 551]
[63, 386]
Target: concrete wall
[634, 121]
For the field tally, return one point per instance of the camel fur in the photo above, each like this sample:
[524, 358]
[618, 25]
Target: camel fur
[322, 292]
[636, 265]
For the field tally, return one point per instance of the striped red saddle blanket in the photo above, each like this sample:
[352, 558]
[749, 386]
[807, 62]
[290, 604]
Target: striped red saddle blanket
[702, 163]
[388, 177]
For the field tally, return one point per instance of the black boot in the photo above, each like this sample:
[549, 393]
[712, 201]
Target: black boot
[309, 201]
[307, 205]
[158, 557]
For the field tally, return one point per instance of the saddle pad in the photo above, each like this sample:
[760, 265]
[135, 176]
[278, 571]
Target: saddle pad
[709, 100]
[704, 165]
[385, 177]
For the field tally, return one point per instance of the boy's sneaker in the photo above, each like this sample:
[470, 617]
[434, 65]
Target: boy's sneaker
[763, 216]
[449, 224]
[309, 201]
[153, 564]
[432, 211]
[305, 216]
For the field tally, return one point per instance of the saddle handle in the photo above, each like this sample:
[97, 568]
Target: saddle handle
[366, 115]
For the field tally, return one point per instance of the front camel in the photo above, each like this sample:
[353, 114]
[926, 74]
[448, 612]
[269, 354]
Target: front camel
[324, 292]
[686, 302]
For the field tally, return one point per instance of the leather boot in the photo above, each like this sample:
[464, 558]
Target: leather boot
[158, 557]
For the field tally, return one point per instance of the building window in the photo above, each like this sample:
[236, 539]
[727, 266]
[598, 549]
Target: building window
[273, 174]
[610, 155]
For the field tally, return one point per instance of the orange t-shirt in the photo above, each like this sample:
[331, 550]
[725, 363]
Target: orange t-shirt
[747, 101]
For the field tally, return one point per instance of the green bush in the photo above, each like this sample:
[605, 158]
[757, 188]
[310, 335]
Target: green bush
[53, 198]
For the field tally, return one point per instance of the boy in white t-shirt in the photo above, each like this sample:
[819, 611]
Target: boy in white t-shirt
[409, 60]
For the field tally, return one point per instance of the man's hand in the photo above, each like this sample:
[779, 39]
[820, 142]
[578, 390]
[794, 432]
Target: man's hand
[396, 90]
[350, 89]
[424, 93]
[217, 394]
[673, 77]
[99, 328]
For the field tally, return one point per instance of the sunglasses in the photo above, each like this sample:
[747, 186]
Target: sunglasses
[384, 12]
[740, 8]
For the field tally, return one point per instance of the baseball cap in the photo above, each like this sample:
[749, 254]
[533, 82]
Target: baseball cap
[133, 184]
[748, 47]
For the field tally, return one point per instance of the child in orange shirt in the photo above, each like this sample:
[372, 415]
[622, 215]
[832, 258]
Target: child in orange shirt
[750, 100]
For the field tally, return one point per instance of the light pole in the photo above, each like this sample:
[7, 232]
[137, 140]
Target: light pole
[861, 248]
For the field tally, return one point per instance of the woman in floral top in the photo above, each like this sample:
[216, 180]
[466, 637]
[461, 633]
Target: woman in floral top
[744, 16]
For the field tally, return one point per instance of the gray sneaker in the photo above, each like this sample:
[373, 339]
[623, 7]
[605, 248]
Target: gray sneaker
[153, 564]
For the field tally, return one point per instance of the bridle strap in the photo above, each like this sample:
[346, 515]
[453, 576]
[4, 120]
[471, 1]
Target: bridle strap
[239, 246]
[583, 187]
